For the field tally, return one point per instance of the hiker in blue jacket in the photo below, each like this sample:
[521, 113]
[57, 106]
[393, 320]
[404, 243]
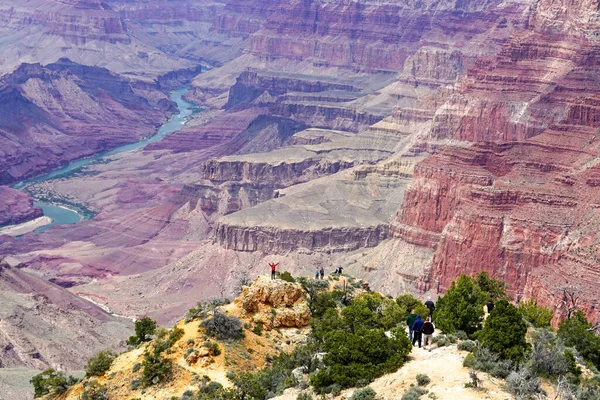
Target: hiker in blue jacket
[417, 330]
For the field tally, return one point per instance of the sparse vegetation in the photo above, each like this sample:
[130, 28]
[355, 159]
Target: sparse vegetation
[100, 363]
[414, 393]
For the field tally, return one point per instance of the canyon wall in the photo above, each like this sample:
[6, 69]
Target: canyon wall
[514, 195]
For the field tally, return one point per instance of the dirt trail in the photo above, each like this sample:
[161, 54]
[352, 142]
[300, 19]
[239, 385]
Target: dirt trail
[448, 377]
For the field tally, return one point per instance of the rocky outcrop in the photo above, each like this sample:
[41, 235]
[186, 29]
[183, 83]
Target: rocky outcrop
[16, 207]
[275, 304]
[85, 110]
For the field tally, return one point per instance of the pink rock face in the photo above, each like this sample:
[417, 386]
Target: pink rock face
[16, 207]
[522, 204]
[60, 112]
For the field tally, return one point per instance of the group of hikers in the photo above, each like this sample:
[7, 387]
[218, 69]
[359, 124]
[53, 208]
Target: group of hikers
[319, 271]
[421, 331]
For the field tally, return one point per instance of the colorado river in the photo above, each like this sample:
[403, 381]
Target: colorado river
[62, 215]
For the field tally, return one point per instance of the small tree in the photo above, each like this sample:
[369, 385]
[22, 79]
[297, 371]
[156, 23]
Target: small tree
[504, 332]
[100, 363]
[51, 382]
[579, 333]
[538, 316]
[144, 329]
[494, 288]
[461, 308]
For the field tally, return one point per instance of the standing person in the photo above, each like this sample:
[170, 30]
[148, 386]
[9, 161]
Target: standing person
[322, 272]
[417, 330]
[273, 269]
[427, 330]
[317, 273]
[430, 306]
[410, 320]
[341, 269]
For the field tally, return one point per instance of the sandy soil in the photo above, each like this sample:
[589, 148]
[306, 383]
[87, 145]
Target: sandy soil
[25, 227]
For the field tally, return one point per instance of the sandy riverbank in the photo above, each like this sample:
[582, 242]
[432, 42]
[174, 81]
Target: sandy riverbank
[25, 227]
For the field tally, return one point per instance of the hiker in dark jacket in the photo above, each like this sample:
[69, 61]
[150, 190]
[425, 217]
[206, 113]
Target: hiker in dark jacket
[322, 272]
[410, 320]
[430, 306]
[427, 331]
[417, 330]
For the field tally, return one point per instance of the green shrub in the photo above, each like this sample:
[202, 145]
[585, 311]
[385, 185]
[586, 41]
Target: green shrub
[286, 276]
[136, 367]
[258, 328]
[216, 350]
[414, 393]
[100, 363]
[356, 345]
[144, 329]
[135, 384]
[423, 380]
[467, 345]
[578, 332]
[51, 382]
[175, 334]
[461, 308]
[304, 396]
[223, 327]
[365, 393]
[156, 369]
[504, 332]
[538, 316]
[94, 391]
